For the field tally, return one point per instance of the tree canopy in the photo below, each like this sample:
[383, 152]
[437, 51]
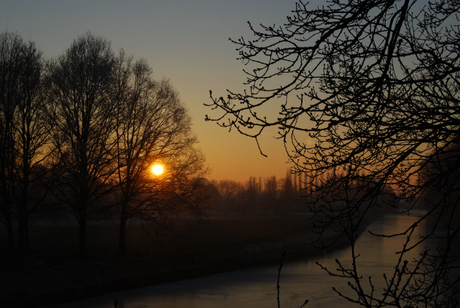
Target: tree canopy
[153, 126]
[22, 131]
[367, 99]
[79, 133]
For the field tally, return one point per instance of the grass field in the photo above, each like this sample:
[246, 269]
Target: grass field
[194, 235]
[52, 270]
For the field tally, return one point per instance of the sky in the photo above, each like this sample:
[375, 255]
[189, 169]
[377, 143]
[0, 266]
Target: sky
[185, 41]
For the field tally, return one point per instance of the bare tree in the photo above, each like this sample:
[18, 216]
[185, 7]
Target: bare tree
[231, 193]
[80, 84]
[152, 126]
[23, 132]
[288, 188]
[368, 96]
[271, 191]
[252, 194]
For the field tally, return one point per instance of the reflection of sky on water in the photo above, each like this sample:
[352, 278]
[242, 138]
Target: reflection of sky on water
[378, 254]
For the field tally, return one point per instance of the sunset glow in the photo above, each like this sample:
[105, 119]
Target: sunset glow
[157, 169]
[191, 34]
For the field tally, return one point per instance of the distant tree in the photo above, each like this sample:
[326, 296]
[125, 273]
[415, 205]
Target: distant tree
[288, 188]
[252, 194]
[271, 191]
[23, 131]
[152, 126]
[231, 192]
[368, 97]
[439, 173]
[215, 201]
[80, 83]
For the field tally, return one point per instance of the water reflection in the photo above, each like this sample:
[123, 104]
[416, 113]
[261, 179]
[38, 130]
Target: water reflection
[256, 287]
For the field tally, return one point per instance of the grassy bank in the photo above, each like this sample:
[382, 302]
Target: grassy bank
[52, 271]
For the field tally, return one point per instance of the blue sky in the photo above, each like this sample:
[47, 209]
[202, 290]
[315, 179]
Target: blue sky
[184, 41]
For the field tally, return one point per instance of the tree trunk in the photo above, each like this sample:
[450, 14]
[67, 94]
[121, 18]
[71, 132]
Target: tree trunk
[82, 232]
[122, 234]
[23, 226]
[23, 240]
[9, 230]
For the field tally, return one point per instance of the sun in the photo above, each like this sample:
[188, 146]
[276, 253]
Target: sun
[157, 169]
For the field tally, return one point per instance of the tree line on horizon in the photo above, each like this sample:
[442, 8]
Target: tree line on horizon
[258, 195]
[79, 133]
[290, 194]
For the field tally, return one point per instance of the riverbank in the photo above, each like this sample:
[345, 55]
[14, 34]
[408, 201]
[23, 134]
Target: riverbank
[205, 247]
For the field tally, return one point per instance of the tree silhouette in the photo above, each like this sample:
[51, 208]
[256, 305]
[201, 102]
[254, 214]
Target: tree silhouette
[152, 125]
[88, 129]
[23, 131]
[367, 99]
[80, 110]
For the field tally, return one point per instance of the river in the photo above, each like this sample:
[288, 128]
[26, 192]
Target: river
[256, 287]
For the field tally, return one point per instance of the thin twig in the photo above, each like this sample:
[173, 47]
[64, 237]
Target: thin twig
[278, 282]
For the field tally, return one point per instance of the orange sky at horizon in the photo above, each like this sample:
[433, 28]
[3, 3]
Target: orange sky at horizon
[183, 41]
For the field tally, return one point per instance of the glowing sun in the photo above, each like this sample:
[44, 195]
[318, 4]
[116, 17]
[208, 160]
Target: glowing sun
[157, 169]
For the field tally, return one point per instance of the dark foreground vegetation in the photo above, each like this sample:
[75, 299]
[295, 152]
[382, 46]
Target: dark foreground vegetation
[365, 94]
[52, 271]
